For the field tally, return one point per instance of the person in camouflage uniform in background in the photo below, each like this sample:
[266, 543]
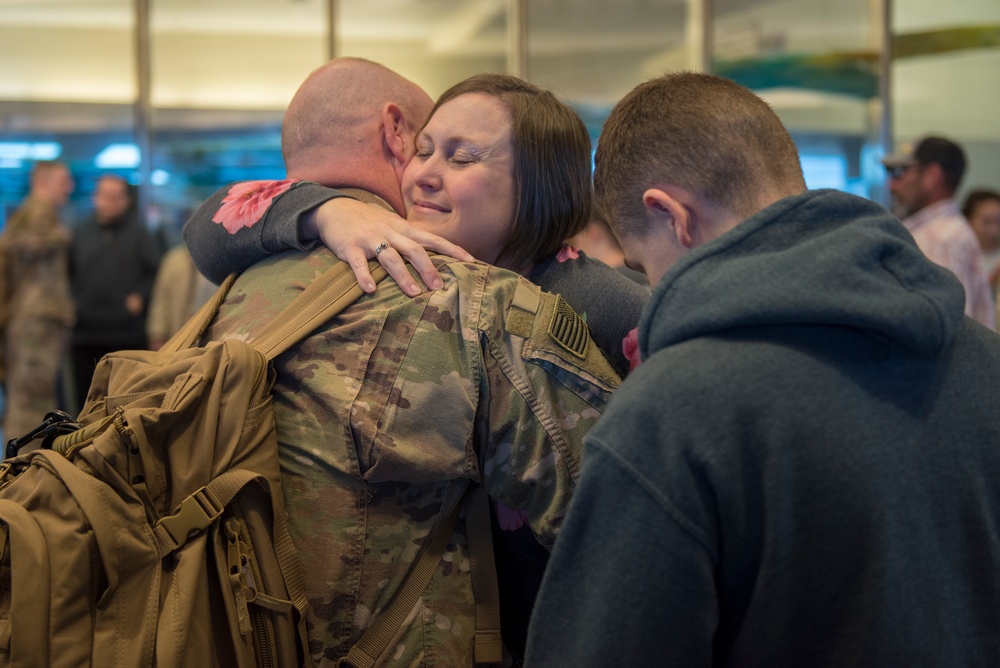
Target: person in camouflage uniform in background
[37, 310]
[386, 411]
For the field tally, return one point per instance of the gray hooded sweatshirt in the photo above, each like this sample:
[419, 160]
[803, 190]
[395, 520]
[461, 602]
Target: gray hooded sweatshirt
[804, 471]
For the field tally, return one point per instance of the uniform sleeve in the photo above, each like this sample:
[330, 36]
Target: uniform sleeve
[626, 585]
[545, 392]
[243, 223]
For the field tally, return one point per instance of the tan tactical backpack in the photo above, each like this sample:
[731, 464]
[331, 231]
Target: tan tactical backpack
[152, 532]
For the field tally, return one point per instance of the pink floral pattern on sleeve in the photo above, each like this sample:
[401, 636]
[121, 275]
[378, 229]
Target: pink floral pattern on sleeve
[246, 203]
[630, 348]
[567, 252]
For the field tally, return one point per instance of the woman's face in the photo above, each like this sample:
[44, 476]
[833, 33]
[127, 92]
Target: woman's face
[985, 220]
[460, 182]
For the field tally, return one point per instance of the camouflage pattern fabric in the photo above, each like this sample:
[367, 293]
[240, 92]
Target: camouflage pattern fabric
[386, 410]
[38, 312]
[33, 351]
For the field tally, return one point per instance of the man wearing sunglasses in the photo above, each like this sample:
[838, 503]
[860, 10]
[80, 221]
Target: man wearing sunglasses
[923, 179]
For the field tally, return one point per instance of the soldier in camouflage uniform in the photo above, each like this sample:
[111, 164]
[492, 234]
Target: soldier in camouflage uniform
[460, 184]
[37, 310]
[385, 412]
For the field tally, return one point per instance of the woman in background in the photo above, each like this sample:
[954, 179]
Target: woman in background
[982, 210]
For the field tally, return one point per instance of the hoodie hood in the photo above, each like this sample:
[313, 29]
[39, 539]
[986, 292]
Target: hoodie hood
[820, 258]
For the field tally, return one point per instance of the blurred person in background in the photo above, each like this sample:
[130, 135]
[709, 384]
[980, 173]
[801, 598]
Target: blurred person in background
[113, 262]
[36, 310]
[923, 179]
[982, 209]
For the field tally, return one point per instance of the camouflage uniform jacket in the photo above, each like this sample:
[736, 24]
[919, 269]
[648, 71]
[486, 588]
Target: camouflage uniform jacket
[34, 281]
[384, 413]
[34, 251]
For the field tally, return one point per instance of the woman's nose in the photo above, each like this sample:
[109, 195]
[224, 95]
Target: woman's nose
[428, 174]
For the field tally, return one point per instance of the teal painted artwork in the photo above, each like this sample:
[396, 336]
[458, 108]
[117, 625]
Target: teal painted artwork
[851, 73]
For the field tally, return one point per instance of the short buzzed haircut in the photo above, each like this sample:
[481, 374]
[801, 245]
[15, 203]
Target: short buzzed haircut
[43, 168]
[333, 109]
[708, 135]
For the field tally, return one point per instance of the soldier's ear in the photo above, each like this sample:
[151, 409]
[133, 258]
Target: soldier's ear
[396, 133]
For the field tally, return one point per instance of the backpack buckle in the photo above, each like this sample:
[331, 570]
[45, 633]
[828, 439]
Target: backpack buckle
[194, 514]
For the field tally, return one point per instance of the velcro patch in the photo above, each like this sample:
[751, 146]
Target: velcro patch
[524, 306]
[568, 329]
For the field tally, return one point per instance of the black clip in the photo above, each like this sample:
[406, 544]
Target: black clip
[56, 423]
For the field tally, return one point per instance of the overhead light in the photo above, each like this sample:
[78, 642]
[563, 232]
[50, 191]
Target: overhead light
[13, 154]
[118, 156]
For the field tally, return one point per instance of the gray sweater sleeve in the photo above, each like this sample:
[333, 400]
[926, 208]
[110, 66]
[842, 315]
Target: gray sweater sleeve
[217, 252]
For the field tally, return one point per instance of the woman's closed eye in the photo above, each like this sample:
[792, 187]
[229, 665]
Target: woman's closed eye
[456, 152]
[463, 158]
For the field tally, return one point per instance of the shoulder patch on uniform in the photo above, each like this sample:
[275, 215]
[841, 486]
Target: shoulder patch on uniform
[527, 297]
[524, 306]
[568, 329]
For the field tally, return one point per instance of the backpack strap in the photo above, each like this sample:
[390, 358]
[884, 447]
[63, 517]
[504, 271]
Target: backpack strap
[488, 646]
[201, 508]
[387, 623]
[29, 566]
[196, 325]
[329, 294]
[197, 512]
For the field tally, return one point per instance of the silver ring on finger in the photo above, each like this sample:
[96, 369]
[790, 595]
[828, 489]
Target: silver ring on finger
[381, 247]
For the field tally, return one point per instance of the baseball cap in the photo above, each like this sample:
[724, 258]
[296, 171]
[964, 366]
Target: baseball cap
[926, 150]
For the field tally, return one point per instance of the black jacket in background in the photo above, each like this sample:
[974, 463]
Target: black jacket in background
[106, 264]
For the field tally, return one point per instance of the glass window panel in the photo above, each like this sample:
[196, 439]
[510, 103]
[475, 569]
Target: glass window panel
[222, 74]
[233, 54]
[594, 51]
[197, 151]
[946, 66]
[591, 52]
[65, 93]
[435, 43]
[816, 63]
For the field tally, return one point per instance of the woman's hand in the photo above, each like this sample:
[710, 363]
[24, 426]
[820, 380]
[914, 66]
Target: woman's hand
[354, 230]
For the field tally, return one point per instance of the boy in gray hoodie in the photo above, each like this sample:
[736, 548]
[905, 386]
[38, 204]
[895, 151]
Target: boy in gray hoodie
[805, 468]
